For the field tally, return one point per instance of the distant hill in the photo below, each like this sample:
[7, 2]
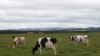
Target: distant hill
[49, 30]
[59, 29]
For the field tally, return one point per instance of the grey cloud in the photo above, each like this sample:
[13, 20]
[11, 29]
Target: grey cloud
[84, 12]
[51, 4]
[49, 16]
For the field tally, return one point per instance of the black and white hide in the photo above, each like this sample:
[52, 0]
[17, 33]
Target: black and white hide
[80, 38]
[45, 42]
[18, 40]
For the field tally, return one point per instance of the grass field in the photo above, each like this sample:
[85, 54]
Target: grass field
[64, 45]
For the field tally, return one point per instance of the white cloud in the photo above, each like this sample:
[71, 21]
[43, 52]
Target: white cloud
[28, 25]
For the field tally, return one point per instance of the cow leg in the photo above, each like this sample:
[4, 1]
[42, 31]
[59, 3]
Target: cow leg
[24, 42]
[86, 42]
[75, 42]
[54, 49]
[14, 44]
[40, 49]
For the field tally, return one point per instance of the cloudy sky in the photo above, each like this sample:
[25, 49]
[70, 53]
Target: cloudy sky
[15, 14]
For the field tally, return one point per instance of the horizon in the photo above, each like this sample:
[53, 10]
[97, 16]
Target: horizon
[57, 28]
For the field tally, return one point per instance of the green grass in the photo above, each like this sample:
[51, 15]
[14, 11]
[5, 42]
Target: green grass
[64, 45]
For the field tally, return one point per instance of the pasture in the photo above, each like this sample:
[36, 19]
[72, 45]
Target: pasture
[64, 45]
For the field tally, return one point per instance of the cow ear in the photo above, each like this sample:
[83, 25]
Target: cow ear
[13, 36]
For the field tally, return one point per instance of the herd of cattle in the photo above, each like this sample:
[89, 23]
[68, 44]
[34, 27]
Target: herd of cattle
[49, 42]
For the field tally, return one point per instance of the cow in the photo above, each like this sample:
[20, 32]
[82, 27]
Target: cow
[80, 38]
[45, 42]
[18, 40]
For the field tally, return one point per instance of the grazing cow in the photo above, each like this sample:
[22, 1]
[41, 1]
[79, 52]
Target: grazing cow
[18, 40]
[80, 38]
[45, 42]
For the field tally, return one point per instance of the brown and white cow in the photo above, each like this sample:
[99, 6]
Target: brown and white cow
[18, 40]
[45, 42]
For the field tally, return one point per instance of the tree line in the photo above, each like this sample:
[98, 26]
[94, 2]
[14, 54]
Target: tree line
[37, 32]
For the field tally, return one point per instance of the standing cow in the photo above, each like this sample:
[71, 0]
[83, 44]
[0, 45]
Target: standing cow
[80, 38]
[45, 42]
[18, 40]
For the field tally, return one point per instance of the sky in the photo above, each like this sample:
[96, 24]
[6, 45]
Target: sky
[16, 14]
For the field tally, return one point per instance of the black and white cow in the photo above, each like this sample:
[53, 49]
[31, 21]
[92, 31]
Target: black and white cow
[80, 38]
[45, 42]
